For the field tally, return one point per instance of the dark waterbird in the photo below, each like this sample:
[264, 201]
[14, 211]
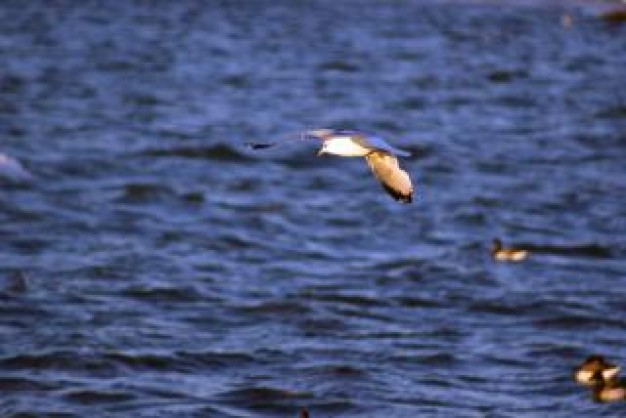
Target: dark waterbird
[606, 389]
[499, 253]
[592, 365]
[616, 16]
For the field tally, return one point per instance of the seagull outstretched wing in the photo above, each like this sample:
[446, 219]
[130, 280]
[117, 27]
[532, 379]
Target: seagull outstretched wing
[393, 179]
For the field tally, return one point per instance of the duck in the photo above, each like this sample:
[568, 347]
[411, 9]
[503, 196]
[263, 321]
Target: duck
[499, 253]
[615, 17]
[607, 390]
[584, 373]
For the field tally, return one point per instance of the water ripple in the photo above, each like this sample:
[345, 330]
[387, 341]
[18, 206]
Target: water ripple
[153, 265]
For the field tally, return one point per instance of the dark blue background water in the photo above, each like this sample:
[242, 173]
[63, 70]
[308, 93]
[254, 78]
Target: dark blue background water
[170, 271]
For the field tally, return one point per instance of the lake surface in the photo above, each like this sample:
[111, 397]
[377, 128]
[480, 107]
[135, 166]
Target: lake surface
[156, 266]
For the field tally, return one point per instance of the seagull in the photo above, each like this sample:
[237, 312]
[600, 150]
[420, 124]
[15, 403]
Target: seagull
[380, 156]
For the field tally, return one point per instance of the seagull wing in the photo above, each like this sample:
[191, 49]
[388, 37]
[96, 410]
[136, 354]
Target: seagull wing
[393, 179]
[316, 134]
[377, 143]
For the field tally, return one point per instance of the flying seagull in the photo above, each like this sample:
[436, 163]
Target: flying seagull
[380, 156]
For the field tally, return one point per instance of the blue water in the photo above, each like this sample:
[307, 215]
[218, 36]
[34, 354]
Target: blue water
[156, 266]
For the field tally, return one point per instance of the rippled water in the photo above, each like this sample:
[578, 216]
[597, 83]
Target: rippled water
[154, 266]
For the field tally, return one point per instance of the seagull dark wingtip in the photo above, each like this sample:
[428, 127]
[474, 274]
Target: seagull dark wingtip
[259, 145]
[397, 195]
[406, 198]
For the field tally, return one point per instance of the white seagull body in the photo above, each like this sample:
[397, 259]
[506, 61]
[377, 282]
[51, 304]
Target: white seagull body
[380, 156]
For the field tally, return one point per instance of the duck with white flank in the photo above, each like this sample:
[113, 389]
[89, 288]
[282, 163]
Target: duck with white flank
[499, 253]
[380, 156]
[607, 389]
[584, 373]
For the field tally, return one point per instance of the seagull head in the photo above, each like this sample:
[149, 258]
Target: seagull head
[324, 135]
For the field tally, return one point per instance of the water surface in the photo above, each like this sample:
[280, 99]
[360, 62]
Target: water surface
[155, 266]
